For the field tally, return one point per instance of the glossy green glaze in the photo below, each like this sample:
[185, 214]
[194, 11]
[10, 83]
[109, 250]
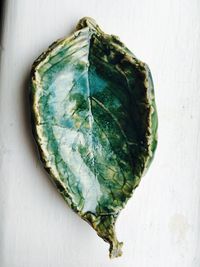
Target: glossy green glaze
[95, 123]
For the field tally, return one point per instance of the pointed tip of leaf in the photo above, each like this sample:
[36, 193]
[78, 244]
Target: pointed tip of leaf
[104, 225]
[115, 249]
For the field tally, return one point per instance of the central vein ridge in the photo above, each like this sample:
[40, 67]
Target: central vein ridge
[90, 114]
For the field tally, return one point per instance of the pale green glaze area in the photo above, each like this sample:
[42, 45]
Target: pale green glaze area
[95, 123]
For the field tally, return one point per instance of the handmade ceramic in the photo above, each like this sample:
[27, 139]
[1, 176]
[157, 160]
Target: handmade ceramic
[94, 120]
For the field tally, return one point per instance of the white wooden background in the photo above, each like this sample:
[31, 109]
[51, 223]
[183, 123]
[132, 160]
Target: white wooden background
[160, 226]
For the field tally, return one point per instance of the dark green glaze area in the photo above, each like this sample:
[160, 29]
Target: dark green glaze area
[95, 123]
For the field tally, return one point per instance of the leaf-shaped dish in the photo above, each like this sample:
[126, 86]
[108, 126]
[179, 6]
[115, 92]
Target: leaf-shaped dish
[95, 123]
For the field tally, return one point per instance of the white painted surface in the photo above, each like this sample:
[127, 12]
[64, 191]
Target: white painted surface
[160, 226]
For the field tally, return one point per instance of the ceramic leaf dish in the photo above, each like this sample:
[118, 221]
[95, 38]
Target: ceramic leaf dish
[94, 120]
